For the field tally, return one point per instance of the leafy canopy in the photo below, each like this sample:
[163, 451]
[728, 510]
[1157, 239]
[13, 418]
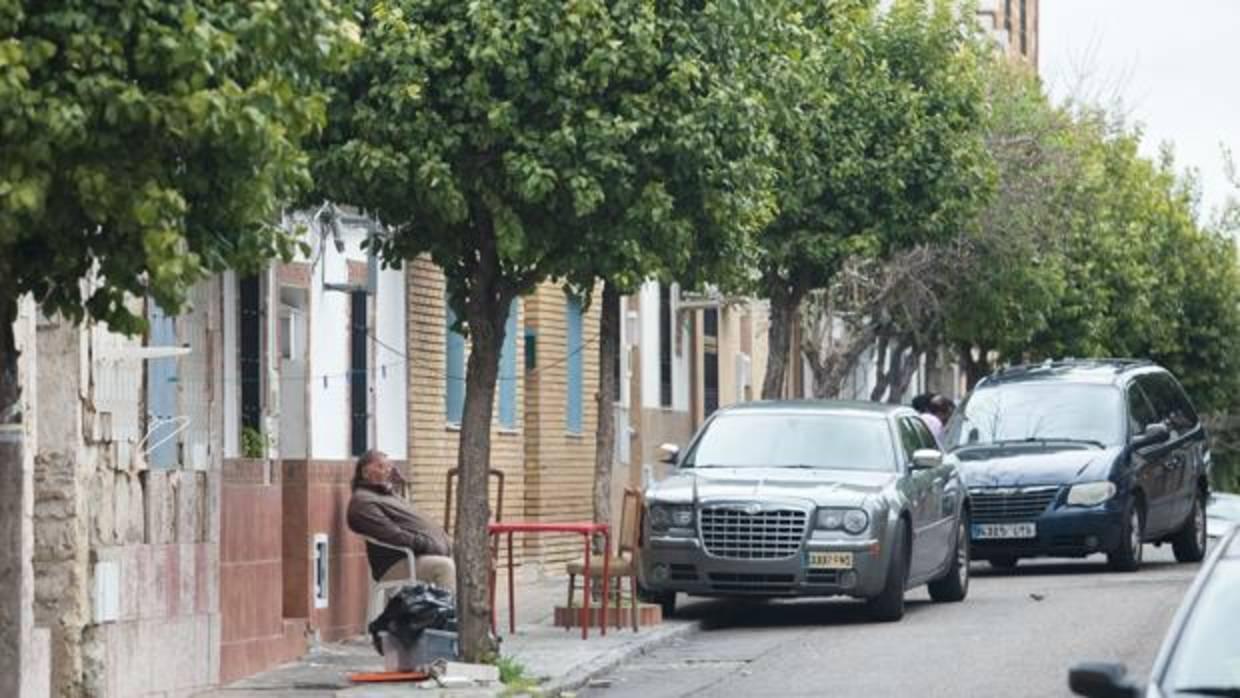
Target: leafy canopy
[588, 139]
[151, 142]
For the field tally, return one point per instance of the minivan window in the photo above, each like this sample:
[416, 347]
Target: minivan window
[757, 440]
[1044, 410]
[1169, 401]
[1140, 412]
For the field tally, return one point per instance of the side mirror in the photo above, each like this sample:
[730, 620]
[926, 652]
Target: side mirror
[1101, 680]
[926, 458]
[1155, 433]
[669, 453]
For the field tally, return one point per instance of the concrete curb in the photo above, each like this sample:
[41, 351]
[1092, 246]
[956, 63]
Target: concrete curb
[582, 674]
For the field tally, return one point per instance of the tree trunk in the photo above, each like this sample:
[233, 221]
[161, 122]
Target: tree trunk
[904, 376]
[14, 578]
[974, 370]
[882, 372]
[486, 310]
[608, 392]
[784, 306]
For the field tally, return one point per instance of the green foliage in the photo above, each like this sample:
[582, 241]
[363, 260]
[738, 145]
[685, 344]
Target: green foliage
[253, 443]
[151, 143]
[590, 139]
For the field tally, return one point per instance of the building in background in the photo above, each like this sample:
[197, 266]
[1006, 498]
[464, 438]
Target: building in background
[1014, 24]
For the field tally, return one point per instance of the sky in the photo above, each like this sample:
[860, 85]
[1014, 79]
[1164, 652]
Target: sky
[1173, 64]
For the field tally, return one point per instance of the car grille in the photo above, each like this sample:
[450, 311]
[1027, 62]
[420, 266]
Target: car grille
[1000, 507]
[730, 532]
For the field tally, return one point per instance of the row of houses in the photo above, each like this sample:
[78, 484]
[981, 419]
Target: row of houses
[190, 486]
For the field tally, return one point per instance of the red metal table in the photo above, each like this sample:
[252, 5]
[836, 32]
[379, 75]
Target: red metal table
[585, 529]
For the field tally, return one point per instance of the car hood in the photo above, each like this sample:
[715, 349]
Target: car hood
[814, 486]
[1020, 465]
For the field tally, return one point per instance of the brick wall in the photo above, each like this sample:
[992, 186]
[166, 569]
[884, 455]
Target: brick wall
[559, 471]
[433, 444]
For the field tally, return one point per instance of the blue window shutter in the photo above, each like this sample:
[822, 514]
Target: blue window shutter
[454, 370]
[574, 364]
[161, 392]
[508, 372]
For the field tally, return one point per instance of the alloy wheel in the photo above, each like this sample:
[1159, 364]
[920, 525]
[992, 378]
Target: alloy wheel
[1134, 528]
[1199, 520]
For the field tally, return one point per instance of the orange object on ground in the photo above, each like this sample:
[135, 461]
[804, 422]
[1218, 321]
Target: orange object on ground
[388, 676]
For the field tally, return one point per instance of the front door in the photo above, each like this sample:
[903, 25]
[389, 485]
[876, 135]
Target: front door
[1151, 463]
[926, 499]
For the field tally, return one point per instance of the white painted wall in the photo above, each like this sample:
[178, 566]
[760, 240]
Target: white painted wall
[329, 358]
[232, 388]
[389, 369]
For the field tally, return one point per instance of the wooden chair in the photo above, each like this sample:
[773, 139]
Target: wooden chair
[379, 590]
[453, 476]
[623, 565]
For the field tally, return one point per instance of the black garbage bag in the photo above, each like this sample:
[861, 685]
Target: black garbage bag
[411, 610]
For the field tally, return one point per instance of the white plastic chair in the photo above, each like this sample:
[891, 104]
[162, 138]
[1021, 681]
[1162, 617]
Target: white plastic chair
[379, 590]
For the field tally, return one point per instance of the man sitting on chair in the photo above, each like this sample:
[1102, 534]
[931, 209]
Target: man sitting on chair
[375, 511]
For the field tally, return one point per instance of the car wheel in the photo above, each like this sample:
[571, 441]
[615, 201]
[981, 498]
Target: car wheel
[1127, 557]
[1004, 562]
[954, 585]
[666, 600]
[1189, 544]
[888, 606]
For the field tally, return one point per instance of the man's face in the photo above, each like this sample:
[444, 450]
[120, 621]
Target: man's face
[378, 471]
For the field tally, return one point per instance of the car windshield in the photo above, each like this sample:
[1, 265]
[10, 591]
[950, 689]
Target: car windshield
[749, 440]
[1224, 508]
[1039, 411]
[1207, 654]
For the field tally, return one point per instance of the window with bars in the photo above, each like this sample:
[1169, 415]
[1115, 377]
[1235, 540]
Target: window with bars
[359, 411]
[665, 345]
[710, 361]
[249, 355]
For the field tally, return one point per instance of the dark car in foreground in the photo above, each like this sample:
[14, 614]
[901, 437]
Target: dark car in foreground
[808, 499]
[1200, 654]
[1072, 458]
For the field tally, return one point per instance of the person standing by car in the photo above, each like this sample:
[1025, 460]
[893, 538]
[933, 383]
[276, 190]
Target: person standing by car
[938, 409]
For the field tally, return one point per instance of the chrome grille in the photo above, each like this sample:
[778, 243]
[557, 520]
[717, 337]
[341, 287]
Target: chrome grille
[1011, 506]
[729, 531]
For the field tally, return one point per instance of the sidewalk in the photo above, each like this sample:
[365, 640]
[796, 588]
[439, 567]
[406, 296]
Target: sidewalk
[559, 659]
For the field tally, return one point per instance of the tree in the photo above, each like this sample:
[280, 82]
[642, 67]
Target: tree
[879, 149]
[516, 142]
[146, 145]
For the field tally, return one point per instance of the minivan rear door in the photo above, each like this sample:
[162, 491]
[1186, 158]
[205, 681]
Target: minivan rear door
[1153, 475]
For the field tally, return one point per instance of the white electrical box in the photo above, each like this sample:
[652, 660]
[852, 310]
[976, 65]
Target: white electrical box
[321, 568]
[107, 591]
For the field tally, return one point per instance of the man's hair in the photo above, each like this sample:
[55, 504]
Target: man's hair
[364, 460]
[921, 403]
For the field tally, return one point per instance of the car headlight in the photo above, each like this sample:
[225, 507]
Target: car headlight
[853, 521]
[1090, 494]
[665, 516]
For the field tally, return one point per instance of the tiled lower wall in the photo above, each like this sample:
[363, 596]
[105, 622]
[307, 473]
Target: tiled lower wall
[254, 632]
[316, 501]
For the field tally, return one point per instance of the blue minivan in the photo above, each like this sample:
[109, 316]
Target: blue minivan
[1072, 458]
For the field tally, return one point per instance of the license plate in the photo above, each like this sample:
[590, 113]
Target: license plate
[830, 561]
[1012, 530]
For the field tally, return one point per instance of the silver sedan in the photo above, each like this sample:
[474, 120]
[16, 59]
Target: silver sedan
[808, 499]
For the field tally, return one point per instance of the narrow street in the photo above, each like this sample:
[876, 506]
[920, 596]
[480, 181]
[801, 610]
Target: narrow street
[1016, 635]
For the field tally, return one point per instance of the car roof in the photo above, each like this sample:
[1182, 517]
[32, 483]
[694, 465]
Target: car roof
[1099, 371]
[877, 409]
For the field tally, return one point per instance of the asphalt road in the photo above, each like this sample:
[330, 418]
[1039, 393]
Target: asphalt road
[1015, 635]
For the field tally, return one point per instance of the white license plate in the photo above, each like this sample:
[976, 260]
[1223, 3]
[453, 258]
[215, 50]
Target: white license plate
[1011, 530]
[830, 561]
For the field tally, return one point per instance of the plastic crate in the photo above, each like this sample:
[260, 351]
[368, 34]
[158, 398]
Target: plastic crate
[430, 647]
